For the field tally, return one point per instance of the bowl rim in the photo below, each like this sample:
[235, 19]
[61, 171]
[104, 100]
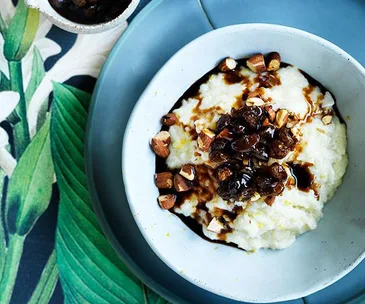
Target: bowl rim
[80, 28]
[138, 105]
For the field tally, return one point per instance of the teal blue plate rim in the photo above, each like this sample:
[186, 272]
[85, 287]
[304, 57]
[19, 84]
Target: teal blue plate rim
[103, 151]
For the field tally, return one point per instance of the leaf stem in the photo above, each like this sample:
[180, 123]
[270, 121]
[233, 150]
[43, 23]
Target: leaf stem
[14, 254]
[2, 25]
[21, 129]
[47, 283]
[2, 232]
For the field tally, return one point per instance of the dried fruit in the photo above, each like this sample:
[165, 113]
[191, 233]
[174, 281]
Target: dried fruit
[226, 134]
[164, 180]
[169, 119]
[227, 65]
[261, 152]
[205, 139]
[246, 143]
[256, 63]
[223, 122]
[285, 136]
[167, 201]
[253, 116]
[188, 171]
[273, 61]
[223, 173]
[160, 144]
[219, 144]
[278, 149]
[276, 170]
[181, 184]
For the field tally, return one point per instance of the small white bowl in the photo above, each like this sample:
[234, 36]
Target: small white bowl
[318, 258]
[44, 7]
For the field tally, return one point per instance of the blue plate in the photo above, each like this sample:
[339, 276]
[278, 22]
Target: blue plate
[162, 28]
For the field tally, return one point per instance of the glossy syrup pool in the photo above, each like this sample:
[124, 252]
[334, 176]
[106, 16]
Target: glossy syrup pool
[90, 11]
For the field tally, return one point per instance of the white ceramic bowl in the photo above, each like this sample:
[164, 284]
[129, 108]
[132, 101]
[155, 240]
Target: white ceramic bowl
[318, 258]
[44, 7]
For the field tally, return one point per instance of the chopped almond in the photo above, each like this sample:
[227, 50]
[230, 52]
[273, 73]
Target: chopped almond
[167, 201]
[256, 63]
[205, 139]
[254, 101]
[327, 119]
[160, 144]
[273, 61]
[271, 113]
[169, 119]
[281, 118]
[188, 171]
[164, 180]
[181, 184]
[270, 200]
[215, 226]
[227, 65]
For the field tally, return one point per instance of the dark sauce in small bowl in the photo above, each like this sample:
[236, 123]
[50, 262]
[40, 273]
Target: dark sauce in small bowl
[90, 11]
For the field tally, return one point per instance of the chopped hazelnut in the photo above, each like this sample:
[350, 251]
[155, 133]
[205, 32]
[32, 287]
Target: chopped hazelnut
[188, 171]
[256, 63]
[181, 184]
[254, 101]
[160, 144]
[327, 119]
[281, 118]
[169, 119]
[167, 201]
[215, 226]
[273, 61]
[164, 180]
[205, 139]
[227, 64]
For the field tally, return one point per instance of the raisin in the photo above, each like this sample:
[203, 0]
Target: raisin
[267, 133]
[284, 135]
[219, 144]
[261, 151]
[223, 122]
[218, 156]
[276, 170]
[278, 149]
[246, 143]
[267, 185]
[253, 116]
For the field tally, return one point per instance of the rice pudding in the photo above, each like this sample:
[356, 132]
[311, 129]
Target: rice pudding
[251, 153]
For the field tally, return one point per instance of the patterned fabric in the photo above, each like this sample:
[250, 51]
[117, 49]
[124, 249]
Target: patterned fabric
[52, 249]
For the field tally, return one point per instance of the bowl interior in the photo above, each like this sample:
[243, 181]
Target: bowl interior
[317, 258]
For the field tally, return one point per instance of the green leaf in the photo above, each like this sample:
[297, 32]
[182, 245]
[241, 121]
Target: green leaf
[47, 283]
[2, 232]
[30, 186]
[21, 32]
[4, 82]
[152, 297]
[37, 75]
[90, 270]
